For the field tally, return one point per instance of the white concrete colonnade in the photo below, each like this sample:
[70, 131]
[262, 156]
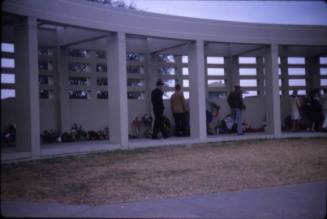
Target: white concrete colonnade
[26, 41]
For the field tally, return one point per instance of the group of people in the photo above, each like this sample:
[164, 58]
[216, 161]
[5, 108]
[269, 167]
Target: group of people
[232, 122]
[179, 110]
[311, 112]
[313, 109]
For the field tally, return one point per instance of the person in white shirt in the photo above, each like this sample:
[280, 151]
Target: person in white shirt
[295, 110]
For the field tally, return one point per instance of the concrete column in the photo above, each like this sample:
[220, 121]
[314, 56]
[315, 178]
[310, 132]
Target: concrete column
[63, 91]
[197, 91]
[117, 88]
[228, 70]
[27, 76]
[235, 78]
[232, 72]
[312, 72]
[261, 83]
[260, 77]
[272, 89]
[179, 72]
[62, 85]
[56, 84]
[151, 75]
[92, 78]
[284, 75]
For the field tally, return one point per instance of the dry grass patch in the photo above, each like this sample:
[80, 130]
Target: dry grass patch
[104, 178]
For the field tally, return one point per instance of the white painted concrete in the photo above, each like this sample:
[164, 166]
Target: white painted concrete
[27, 75]
[95, 16]
[166, 34]
[197, 102]
[117, 88]
[272, 97]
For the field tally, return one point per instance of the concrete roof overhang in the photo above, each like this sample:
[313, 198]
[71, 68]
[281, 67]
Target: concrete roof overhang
[73, 21]
[85, 14]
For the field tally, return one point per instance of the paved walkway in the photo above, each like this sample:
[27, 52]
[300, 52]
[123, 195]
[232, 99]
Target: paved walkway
[292, 201]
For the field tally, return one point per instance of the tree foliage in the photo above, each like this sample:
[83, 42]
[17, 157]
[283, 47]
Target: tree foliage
[115, 3]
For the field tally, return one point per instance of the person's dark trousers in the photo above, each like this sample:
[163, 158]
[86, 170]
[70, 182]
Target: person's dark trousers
[158, 126]
[180, 124]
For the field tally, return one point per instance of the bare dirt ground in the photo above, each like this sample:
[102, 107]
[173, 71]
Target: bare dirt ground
[121, 176]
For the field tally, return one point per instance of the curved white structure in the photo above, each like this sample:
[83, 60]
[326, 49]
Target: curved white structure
[63, 25]
[89, 15]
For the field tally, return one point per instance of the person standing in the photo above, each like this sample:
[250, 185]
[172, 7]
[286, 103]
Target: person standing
[178, 109]
[295, 110]
[235, 101]
[158, 110]
[316, 110]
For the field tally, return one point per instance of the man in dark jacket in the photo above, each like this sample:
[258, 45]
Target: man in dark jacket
[158, 109]
[235, 101]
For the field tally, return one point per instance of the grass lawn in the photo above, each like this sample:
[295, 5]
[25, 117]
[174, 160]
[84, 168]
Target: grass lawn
[111, 177]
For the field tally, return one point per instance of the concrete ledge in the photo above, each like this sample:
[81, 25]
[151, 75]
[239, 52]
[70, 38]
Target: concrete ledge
[145, 143]
[304, 135]
[75, 148]
[235, 137]
[12, 155]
